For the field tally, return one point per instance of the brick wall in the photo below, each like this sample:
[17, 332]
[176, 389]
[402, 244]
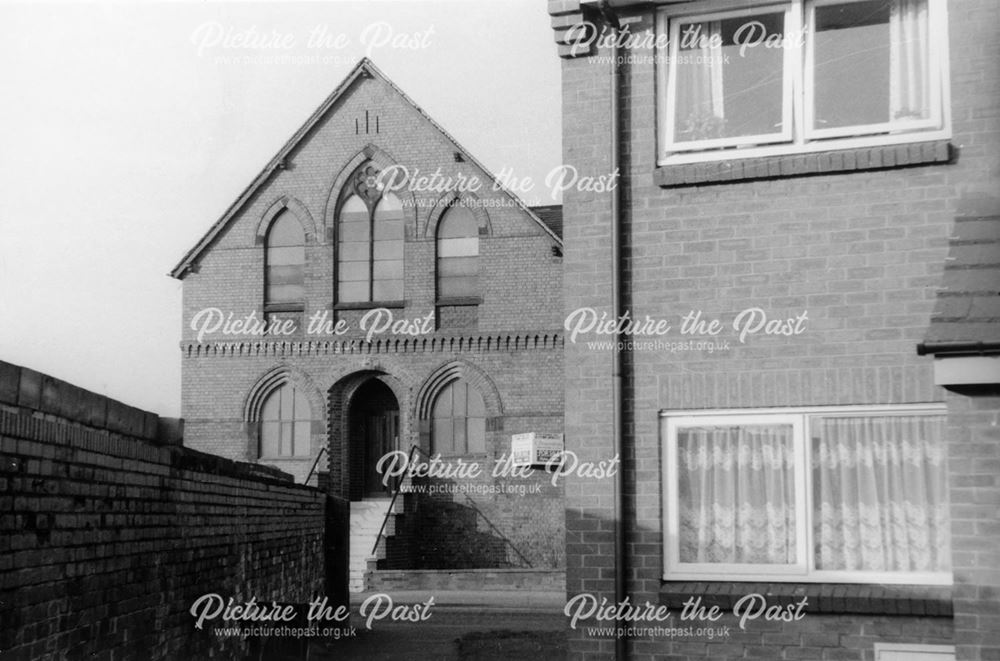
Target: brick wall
[862, 252]
[974, 467]
[110, 536]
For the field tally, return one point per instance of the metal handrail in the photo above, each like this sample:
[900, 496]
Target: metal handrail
[315, 463]
[396, 491]
[392, 501]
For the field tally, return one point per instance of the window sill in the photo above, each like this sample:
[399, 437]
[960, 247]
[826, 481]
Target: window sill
[459, 300]
[855, 599]
[369, 305]
[856, 159]
[464, 457]
[283, 307]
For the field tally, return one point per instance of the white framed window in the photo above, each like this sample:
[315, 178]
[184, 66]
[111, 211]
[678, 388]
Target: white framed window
[800, 76]
[908, 652]
[824, 494]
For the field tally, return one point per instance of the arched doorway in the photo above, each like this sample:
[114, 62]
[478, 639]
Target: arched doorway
[373, 423]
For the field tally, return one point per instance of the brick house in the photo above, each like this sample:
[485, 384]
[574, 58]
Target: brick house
[409, 301]
[809, 165]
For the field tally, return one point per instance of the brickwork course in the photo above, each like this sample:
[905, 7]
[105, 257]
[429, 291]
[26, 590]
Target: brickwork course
[859, 239]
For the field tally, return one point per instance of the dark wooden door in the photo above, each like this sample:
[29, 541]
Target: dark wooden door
[381, 434]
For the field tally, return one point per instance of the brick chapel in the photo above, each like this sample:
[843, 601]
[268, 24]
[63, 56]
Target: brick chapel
[349, 304]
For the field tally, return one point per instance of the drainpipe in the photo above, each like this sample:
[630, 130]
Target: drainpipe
[617, 418]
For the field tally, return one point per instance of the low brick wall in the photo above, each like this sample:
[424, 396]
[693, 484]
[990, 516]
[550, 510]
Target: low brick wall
[389, 580]
[109, 536]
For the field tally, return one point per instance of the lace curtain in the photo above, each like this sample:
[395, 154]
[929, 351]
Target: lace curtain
[737, 494]
[700, 97]
[909, 60]
[879, 493]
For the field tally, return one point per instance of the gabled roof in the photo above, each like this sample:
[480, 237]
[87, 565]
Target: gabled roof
[364, 68]
[552, 216]
[967, 312]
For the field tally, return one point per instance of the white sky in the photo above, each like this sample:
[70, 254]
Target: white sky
[124, 136]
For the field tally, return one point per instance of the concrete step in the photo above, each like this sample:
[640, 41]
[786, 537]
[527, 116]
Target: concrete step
[366, 521]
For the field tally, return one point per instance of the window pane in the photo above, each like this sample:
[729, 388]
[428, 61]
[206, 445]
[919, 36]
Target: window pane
[389, 207]
[302, 409]
[459, 408]
[852, 61]
[272, 406]
[389, 229]
[736, 494]
[293, 255]
[388, 269]
[387, 290]
[285, 275]
[286, 394]
[879, 493]
[443, 437]
[458, 221]
[355, 231]
[458, 247]
[388, 250]
[353, 210]
[301, 438]
[352, 292]
[285, 231]
[285, 258]
[354, 271]
[285, 448]
[270, 433]
[442, 404]
[722, 93]
[353, 251]
[456, 266]
[476, 406]
[477, 435]
[285, 293]
[459, 429]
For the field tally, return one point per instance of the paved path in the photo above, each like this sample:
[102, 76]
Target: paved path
[464, 626]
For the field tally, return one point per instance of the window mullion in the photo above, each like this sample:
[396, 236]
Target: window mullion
[802, 526]
[371, 252]
[810, 554]
[796, 59]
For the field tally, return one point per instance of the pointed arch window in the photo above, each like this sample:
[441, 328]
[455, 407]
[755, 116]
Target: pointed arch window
[458, 254]
[285, 423]
[458, 422]
[369, 242]
[284, 260]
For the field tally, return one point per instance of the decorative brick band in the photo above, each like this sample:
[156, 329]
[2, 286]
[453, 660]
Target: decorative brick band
[859, 599]
[800, 165]
[505, 342]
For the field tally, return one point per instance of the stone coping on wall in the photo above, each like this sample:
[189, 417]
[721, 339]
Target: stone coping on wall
[823, 598]
[798, 165]
[27, 389]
